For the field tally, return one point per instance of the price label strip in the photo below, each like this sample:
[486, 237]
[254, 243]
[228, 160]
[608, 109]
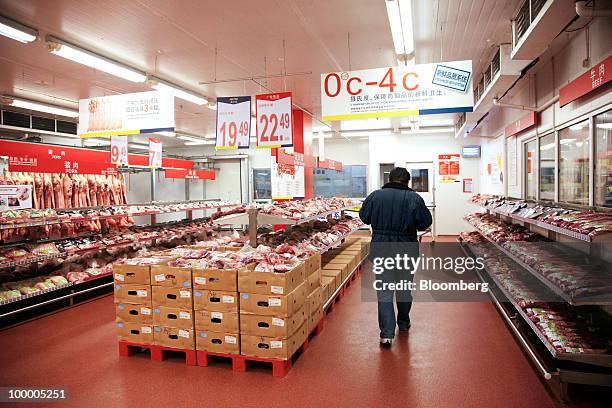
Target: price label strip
[233, 122]
[274, 120]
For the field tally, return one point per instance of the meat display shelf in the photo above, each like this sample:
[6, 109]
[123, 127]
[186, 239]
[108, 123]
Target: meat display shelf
[549, 227]
[267, 219]
[599, 359]
[579, 301]
[59, 219]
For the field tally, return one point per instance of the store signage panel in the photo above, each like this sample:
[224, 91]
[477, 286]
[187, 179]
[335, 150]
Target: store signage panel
[274, 120]
[126, 114]
[190, 174]
[155, 153]
[42, 158]
[525, 122]
[448, 164]
[233, 122]
[15, 197]
[398, 91]
[287, 181]
[594, 78]
[119, 150]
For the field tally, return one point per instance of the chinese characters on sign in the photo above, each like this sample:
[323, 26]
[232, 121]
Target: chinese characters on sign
[594, 78]
[190, 174]
[397, 91]
[155, 153]
[233, 122]
[448, 167]
[525, 122]
[119, 150]
[274, 121]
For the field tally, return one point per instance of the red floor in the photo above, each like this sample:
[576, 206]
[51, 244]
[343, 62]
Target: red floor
[456, 355]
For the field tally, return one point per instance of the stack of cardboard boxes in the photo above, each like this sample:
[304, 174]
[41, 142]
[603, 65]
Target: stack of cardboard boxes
[216, 310]
[338, 263]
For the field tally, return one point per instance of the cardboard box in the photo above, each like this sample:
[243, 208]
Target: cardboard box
[272, 326]
[132, 293]
[127, 312]
[269, 347]
[135, 332]
[314, 300]
[218, 342]
[314, 280]
[271, 283]
[340, 265]
[334, 273]
[313, 263]
[350, 260]
[208, 320]
[181, 318]
[315, 318]
[215, 300]
[216, 279]
[131, 274]
[274, 305]
[327, 287]
[172, 297]
[174, 277]
[174, 337]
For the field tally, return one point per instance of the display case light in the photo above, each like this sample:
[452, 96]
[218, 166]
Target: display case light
[17, 31]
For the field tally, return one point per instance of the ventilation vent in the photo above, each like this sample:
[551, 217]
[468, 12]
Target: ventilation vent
[41, 123]
[32, 123]
[16, 119]
[66, 127]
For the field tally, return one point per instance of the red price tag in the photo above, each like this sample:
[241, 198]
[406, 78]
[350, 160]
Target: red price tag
[119, 150]
[155, 153]
[274, 122]
[233, 122]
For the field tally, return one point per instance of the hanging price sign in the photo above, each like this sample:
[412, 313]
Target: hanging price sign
[233, 122]
[155, 153]
[274, 122]
[119, 150]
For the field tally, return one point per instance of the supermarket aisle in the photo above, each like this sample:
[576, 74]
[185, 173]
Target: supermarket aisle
[445, 361]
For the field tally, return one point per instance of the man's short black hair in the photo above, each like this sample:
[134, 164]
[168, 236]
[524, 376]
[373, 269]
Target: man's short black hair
[399, 175]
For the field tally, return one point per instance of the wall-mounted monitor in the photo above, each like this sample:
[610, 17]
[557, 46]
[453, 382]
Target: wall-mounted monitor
[470, 152]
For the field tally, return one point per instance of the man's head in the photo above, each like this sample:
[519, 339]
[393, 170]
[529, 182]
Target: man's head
[399, 175]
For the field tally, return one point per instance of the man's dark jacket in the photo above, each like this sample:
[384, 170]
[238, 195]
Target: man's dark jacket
[396, 212]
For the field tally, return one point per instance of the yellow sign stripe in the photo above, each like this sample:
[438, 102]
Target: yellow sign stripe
[226, 147]
[268, 147]
[282, 198]
[365, 115]
[110, 133]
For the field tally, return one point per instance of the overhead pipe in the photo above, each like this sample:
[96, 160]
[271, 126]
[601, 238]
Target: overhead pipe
[544, 106]
[589, 12]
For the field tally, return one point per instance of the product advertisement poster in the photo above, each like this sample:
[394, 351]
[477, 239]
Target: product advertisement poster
[448, 167]
[126, 114]
[397, 91]
[15, 197]
[274, 121]
[233, 122]
[287, 181]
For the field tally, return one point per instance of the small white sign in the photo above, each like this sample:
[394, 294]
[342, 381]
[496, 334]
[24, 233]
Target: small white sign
[119, 150]
[274, 120]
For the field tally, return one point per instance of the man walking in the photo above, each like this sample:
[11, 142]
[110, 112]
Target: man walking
[396, 213]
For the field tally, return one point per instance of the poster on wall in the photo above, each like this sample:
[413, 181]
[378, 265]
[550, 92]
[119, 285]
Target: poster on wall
[420, 89]
[512, 151]
[126, 114]
[15, 197]
[448, 167]
[495, 170]
[287, 181]
[233, 122]
[274, 123]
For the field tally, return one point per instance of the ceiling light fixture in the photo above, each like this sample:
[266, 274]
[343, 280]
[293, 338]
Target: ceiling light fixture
[400, 22]
[366, 133]
[190, 139]
[200, 143]
[212, 105]
[40, 107]
[177, 91]
[90, 59]
[17, 31]
[421, 131]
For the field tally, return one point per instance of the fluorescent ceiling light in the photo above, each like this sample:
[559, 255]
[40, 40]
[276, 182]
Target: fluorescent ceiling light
[436, 122]
[190, 139]
[17, 31]
[200, 143]
[439, 130]
[88, 58]
[364, 124]
[579, 126]
[566, 141]
[138, 146]
[400, 22]
[212, 106]
[366, 133]
[179, 92]
[166, 133]
[547, 146]
[41, 107]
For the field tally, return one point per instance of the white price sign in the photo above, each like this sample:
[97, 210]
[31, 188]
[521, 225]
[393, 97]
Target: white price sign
[119, 150]
[233, 122]
[274, 121]
[155, 153]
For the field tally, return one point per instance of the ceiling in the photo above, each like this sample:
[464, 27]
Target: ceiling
[195, 41]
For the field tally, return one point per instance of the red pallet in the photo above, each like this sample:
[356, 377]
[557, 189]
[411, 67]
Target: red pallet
[158, 353]
[203, 360]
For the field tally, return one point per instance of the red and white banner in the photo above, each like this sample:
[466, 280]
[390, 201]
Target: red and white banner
[330, 164]
[524, 122]
[274, 120]
[119, 150]
[43, 158]
[448, 164]
[155, 153]
[190, 174]
[594, 78]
